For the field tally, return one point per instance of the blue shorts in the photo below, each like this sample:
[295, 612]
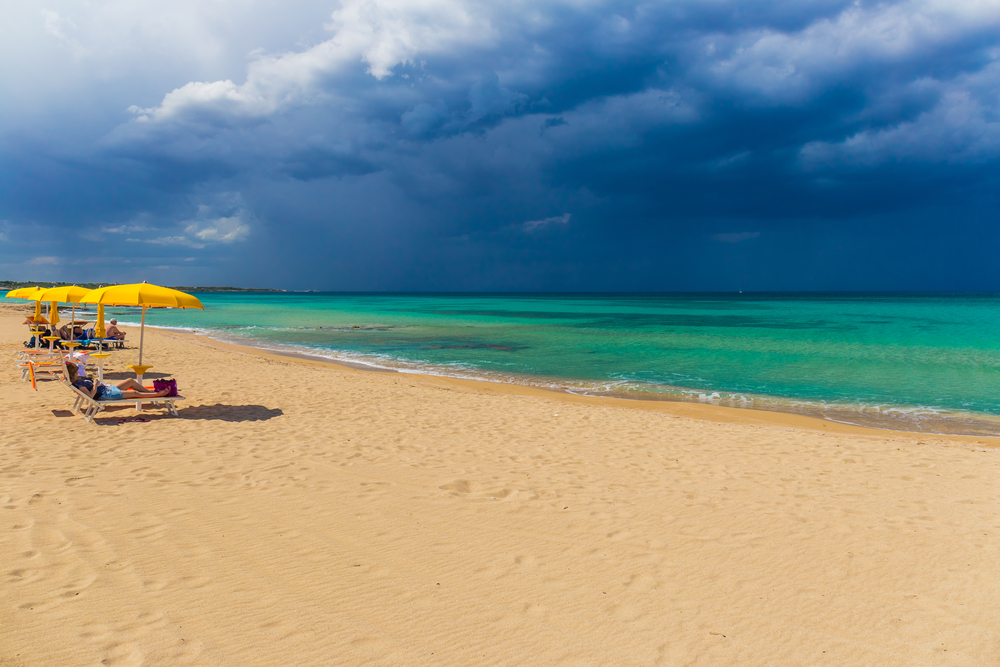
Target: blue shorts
[111, 393]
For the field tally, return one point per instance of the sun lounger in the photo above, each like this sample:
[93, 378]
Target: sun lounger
[102, 343]
[49, 366]
[90, 408]
[37, 355]
[109, 343]
[89, 342]
[93, 339]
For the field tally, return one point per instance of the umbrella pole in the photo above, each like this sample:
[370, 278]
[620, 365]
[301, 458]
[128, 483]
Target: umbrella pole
[142, 331]
[36, 326]
[100, 324]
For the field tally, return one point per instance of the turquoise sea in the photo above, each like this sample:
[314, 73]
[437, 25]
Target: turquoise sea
[925, 362]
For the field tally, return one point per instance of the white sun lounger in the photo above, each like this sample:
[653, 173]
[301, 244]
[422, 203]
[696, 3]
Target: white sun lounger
[47, 364]
[43, 367]
[90, 408]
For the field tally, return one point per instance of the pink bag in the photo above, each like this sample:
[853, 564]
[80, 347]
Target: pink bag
[171, 384]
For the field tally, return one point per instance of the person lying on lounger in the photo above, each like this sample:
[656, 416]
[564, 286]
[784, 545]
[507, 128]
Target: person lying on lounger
[64, 335]
[37, 339]
[101, 391]
[114, 332]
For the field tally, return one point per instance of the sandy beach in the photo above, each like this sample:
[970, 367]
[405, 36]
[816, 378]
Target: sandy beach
[305, 513]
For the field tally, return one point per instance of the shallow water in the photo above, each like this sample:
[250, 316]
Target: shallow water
[916, 362]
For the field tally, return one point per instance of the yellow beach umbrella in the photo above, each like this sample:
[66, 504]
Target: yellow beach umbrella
[53, 308]
[66, 294]
[27, 293]
[141, 294]
[22, 292]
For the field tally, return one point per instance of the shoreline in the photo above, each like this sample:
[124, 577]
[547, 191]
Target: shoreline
[735, 414]
[689, 409]
[299, 511]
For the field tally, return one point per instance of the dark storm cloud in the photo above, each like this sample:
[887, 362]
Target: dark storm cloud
[464, 145]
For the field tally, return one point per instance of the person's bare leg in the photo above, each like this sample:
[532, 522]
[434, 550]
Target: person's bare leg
[136, 390]
[130, 384]
[132, 393]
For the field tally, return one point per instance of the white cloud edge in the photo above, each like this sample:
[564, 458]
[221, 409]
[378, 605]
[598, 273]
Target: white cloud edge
[381, 34]
[534, 225]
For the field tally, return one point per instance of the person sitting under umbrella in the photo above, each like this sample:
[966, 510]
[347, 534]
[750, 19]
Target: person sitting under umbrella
[65, 335]
[114, 332]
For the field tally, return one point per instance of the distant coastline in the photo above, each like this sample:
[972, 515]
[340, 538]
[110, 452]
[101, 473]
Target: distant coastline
[16, 284]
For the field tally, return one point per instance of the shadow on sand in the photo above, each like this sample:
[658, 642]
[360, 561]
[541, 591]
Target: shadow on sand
[112, 376]
[117, 415]
[230, 413]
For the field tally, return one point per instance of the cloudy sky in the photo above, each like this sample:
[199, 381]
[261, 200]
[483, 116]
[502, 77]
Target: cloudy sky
[464, 145]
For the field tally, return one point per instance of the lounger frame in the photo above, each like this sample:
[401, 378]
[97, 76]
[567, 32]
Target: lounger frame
[47, 364]
[90, 408]
[44, 366]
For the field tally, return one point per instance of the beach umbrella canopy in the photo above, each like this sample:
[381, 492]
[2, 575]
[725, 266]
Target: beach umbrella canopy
[144, 295]
[53, 306]
[66, 294]
[27, 293]
[22, 292]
